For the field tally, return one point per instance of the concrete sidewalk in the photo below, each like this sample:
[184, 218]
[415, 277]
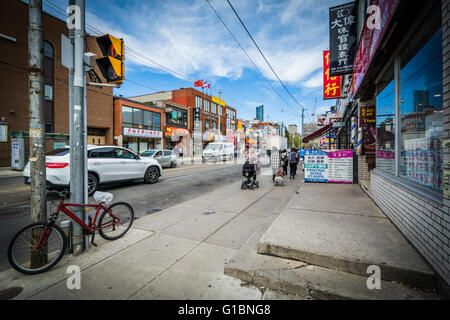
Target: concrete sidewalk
[177, 253]
[322, 243]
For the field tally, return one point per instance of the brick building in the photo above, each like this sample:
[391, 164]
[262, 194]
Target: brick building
[402, 73]
[213, 110]
[137, 126]
[14, 104]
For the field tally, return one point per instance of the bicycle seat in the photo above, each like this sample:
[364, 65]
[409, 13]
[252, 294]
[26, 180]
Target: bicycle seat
[103, 197]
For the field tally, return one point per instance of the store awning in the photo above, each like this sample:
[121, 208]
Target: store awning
[317, 133]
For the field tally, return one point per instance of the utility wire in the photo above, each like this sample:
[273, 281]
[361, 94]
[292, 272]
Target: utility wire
[243, 50]
[281, 82]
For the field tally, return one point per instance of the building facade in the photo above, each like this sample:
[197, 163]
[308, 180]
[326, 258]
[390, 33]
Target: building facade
[137, 126]
[218, 120]
[399, 97]
[14, 105]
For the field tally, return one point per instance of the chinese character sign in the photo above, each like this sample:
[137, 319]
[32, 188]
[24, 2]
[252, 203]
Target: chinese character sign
[331, 85]
[342, 38]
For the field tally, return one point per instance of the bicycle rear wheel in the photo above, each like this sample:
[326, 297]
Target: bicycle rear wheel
[117, 229]
[24, 254]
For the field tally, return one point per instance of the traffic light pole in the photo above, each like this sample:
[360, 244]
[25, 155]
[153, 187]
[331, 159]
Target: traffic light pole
[78, 161]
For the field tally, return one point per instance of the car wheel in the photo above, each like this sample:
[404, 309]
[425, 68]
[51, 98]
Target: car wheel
[151, 175]
[172, 164]
[92, 184]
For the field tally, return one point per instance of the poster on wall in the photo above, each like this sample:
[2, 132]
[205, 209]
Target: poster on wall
[329, 167]
[367, 121]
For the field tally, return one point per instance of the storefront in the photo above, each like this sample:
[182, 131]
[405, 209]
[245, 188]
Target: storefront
[178, 139]
[140, 140]
[399, 100]
[137, 126]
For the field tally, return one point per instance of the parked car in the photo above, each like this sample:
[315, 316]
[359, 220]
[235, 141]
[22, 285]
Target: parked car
[166, 158]
[105, 164]
[217, 151]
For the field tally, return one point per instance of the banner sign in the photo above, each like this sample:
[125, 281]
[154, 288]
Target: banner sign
[367, 121]
[331, 85]
[133, 132]
[371, 37]
[331, 167]
[343, 38]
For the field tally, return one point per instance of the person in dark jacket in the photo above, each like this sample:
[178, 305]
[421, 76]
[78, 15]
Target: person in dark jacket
[293, 162]
[284, 161]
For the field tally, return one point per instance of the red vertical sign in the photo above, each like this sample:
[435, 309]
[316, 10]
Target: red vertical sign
[331, 85]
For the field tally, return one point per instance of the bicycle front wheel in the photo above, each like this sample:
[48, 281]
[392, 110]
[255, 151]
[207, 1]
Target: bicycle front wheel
[37, 248]
[113, 228]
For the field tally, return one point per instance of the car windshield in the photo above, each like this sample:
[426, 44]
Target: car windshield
[148, 153]
[58, 152]
[212, 146]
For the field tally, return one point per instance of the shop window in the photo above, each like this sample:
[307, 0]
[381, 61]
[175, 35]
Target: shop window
[206, 125]
[127, 116]
[138, 117]
[156, 121]
[385, 149]
[148, 120]
[421, 116]
[198, 102]
[214, 125]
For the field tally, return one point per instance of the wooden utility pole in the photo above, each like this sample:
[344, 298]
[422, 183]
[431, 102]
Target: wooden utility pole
[38, 205]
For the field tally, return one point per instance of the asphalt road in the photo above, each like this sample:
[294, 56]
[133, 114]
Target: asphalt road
[176, 185]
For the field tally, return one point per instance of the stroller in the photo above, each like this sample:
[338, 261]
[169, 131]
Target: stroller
[279, 177]
[249, 171]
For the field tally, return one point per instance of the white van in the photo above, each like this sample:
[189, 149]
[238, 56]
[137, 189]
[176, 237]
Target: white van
[216, 151]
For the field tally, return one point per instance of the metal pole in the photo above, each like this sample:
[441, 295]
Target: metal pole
[303, 117]
[220, 110]
[78, 160]
[37, 119]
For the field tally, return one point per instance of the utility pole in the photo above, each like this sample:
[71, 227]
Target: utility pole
[220, 110]
[37, 118]
[78, 165]
[303, 120]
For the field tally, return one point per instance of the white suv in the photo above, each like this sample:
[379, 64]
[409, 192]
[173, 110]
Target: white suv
[105, 164]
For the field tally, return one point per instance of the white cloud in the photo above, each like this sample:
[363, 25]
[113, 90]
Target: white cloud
[315, 81]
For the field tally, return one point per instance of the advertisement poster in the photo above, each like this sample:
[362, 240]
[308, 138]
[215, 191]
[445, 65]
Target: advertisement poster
[340, 166]
[316, 166]
[329, 167]
[367, 121]
[421, 162]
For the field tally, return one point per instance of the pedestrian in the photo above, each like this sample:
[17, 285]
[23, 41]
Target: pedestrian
[293, 162]
[275, 161]
[181, 152]
[284, 161]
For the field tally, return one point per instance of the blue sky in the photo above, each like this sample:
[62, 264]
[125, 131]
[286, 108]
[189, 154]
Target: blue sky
[187, 37]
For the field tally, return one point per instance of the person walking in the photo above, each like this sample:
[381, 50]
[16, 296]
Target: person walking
[275, 161]
[181, 152]
[293, 162]
[284, 161]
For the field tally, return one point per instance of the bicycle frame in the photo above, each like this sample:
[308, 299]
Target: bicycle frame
[62, 206]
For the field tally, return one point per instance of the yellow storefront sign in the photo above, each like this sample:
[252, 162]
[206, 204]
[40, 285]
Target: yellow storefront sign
[218, 101]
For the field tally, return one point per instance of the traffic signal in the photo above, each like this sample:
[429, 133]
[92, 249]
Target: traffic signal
[111, 64]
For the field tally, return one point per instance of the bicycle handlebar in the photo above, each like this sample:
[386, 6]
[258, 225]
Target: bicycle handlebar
[60, 194]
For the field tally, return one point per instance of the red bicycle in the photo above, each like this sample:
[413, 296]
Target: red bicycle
[40, 246]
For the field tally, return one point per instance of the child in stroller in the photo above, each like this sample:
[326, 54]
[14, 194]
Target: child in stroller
[249, 171]
[279, 177]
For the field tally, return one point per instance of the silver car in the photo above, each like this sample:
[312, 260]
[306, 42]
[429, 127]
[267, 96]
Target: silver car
[166, 158]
